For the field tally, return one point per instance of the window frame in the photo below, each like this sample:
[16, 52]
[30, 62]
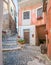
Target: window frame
[29, 15]
[37, 11]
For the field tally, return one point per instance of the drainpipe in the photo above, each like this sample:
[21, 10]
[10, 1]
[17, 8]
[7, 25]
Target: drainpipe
[18, 16]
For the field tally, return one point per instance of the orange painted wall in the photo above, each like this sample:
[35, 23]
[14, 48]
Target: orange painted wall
[20, 17]
[49, 28]
[34, 20]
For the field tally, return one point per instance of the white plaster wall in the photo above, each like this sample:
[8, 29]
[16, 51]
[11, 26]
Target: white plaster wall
[32, 39]
[26, 22]
[32, 31]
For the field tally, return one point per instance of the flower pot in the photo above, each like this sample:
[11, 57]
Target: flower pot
[21, 44]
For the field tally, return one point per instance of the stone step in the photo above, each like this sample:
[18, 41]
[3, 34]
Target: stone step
[10, 49]
[10, 42]
[9, 46]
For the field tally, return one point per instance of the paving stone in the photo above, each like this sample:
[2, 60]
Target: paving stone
[35, 62]
[25, 56]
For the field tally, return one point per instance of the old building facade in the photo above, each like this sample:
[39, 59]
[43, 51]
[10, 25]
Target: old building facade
[31, 21]
[9, 24]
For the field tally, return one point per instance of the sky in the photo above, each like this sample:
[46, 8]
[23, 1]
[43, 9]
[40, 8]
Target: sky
[16, 4]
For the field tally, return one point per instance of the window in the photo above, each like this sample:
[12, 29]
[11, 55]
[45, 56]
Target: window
[12, 10]
[39, 13]
[26, 15]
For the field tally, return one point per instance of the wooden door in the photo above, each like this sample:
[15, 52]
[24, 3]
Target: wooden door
[26, 36]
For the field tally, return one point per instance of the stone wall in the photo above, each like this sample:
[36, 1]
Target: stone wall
[1, 20]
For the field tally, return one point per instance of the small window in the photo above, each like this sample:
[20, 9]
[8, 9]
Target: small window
[26, 15]
[39, 13]
[11, 9]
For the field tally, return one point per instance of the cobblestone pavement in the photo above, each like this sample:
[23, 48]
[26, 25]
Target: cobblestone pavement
[22, 56]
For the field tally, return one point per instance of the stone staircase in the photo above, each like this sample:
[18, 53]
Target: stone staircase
[10, 42]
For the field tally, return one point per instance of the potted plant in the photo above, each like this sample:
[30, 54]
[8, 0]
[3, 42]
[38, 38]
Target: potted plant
[21, 42]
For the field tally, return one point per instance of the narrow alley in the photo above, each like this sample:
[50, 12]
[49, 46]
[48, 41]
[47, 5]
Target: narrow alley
[25, 32]
[30, 55]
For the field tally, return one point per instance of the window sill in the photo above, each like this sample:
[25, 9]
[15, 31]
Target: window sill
[39, 18]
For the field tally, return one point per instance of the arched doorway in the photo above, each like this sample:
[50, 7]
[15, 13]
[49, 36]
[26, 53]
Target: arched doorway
[40, 35]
